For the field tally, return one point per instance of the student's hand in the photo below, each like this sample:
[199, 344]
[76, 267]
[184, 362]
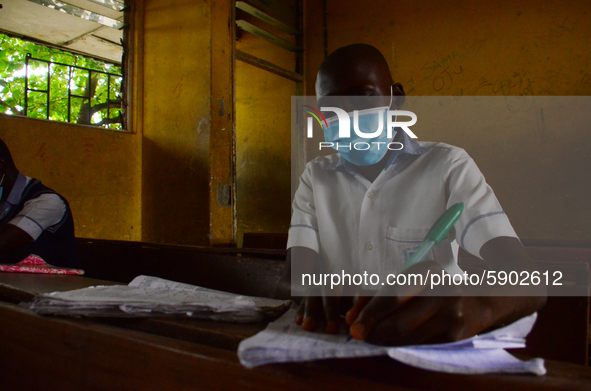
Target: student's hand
[392, 317]
[399, 315]
[13, 241]
[315, 310]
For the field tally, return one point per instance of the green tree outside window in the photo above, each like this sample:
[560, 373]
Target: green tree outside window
[103, 87]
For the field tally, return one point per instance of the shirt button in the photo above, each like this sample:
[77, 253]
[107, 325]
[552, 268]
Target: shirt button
[370, 194]
[368, 246]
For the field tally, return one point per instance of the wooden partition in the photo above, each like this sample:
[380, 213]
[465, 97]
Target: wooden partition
[252, 272]
[561, 332]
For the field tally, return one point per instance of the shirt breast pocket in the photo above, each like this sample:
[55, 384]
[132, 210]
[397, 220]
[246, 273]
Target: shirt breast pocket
[401, 244]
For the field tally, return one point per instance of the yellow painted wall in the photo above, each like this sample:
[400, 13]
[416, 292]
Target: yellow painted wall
[540, 181]
[102, 173]
[263, 138]
[98, 171]
[175, 201]
[263, 151]
[465, 47]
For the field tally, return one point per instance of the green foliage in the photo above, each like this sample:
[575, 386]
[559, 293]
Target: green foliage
[95, 96]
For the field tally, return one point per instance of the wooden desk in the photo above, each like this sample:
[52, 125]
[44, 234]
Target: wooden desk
[256, 272]
[17, 287]
[220, 334]
[54, 353]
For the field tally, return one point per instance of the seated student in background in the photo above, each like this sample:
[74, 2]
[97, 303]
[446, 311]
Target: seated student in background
[34, 220]
[366, 207]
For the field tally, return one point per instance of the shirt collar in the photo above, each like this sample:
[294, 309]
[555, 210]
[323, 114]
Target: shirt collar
[14, 198]
[410, 147]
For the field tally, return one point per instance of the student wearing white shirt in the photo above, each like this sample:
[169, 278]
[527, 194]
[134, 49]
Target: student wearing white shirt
[370, 212]
[34, 220]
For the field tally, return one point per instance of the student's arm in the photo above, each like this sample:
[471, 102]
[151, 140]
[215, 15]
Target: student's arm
[37, 215]
[507, 253]
[403, 318]
[402, 315]
[13, 241]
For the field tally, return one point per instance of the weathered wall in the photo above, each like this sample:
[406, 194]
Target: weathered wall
[98, 171]
[263, 129]
[175, 198]
[157, 180]
[465, 47]
[102, 173]
[262, 150]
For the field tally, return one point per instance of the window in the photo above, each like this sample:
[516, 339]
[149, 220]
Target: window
[42, 82]
[63, 62]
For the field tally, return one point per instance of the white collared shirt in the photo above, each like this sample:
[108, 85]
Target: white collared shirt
[37, 214]
[376, 227]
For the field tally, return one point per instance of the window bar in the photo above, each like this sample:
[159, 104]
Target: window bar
[108, 102]
[88, 88]
[29, 58]
[48, 89]
[27, 84]
[69, 93]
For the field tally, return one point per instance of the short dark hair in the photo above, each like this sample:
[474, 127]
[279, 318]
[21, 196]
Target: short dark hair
[5, 154]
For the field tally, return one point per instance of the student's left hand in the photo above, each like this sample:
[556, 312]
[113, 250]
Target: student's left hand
[314, 310]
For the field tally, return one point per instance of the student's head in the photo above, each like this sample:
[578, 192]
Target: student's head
[5, 157]
[8, 171]
[355, 70]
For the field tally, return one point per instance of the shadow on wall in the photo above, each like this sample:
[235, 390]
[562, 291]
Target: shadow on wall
[175, 196]
[264, 192]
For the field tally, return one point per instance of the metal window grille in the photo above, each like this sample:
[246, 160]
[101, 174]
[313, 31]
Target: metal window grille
[112, 106]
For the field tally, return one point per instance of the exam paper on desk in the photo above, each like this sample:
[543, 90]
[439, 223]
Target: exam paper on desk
[151, 296]
[284, 341]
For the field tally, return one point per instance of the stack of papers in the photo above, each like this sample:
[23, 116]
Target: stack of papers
[151, 296]
[284, 341]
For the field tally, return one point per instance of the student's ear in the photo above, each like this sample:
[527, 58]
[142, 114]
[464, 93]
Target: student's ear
[399, 96]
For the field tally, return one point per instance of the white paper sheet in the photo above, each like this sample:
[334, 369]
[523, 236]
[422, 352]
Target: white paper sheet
[151, 296]
[284, 341]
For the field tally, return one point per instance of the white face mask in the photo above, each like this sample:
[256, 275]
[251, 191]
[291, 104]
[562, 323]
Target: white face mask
[362, 151]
